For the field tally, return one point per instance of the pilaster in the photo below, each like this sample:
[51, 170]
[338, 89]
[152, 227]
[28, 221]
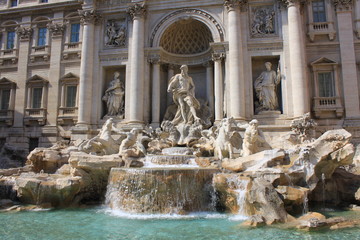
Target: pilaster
[24, 33]
[348, 60]
[56, 30]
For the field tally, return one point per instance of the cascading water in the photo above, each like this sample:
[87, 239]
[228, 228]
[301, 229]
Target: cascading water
[323, 190]
[160, 190]
[239, 185]
[305, 204]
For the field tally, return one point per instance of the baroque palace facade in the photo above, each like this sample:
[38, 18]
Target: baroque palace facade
[67, 66]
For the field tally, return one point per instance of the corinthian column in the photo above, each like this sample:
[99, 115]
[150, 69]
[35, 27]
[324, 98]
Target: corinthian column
[236, 84]
[297, 59]
[155, 110]
[88, 19]
[137, 58]
[348, 59]
[218, 86]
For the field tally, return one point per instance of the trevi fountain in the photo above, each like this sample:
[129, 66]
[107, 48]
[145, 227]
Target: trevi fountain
[190, 178]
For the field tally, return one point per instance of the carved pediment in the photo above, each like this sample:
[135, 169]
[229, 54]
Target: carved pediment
[69, 75]
[7, 82]
[323, 61]
[37, 79]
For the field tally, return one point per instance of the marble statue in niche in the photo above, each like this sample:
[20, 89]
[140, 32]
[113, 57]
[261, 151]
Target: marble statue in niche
[183, 89]
[115, 34]
[114, 97]
[266, 89]
[263, 21]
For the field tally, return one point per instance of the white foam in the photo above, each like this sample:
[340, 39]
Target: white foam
[142, 216]
[238, 218]
[40, 209]
[154, 165]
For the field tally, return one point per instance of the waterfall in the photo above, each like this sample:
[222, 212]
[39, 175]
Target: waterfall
[160, 190]
[305, 204]
[323, 190]
[239, 186]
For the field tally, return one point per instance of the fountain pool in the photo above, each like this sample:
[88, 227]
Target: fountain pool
[103, 223]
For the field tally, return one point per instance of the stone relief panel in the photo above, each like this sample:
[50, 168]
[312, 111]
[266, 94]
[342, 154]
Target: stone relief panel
[115, 33]
[263, 21]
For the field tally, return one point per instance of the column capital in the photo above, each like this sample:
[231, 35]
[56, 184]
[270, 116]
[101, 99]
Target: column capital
[56, 29]
[343, 5]
[154, 59]
[217, 56]
[89, 16]
[138, 10]
[232, 5]
[24, 33]
[291, 3]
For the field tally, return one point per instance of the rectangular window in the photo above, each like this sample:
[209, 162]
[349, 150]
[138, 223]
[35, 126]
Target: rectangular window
[326, 84]
[71, 96]
[41, 41]
[318, 8]
[36, 97]
[75, 32]
[13, 3]
[43, 1]
[5, 99]
[10, 40]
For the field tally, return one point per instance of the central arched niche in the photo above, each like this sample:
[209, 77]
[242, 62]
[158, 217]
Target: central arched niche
[186, 37]
[187, 41]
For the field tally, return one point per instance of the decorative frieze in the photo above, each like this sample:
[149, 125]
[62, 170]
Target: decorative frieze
[115, 33]
[90, 16]
[24, 33]
[137, 10]
[233, 4]
[57, 29]
[262, 21]
[343, 5]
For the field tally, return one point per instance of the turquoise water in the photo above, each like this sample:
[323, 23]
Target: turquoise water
[100, 223]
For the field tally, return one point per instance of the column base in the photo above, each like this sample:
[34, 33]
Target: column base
[130, 124]
[155, 125]
[80, 131]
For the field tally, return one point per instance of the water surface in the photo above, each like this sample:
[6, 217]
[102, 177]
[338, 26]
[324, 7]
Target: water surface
[102, 223]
